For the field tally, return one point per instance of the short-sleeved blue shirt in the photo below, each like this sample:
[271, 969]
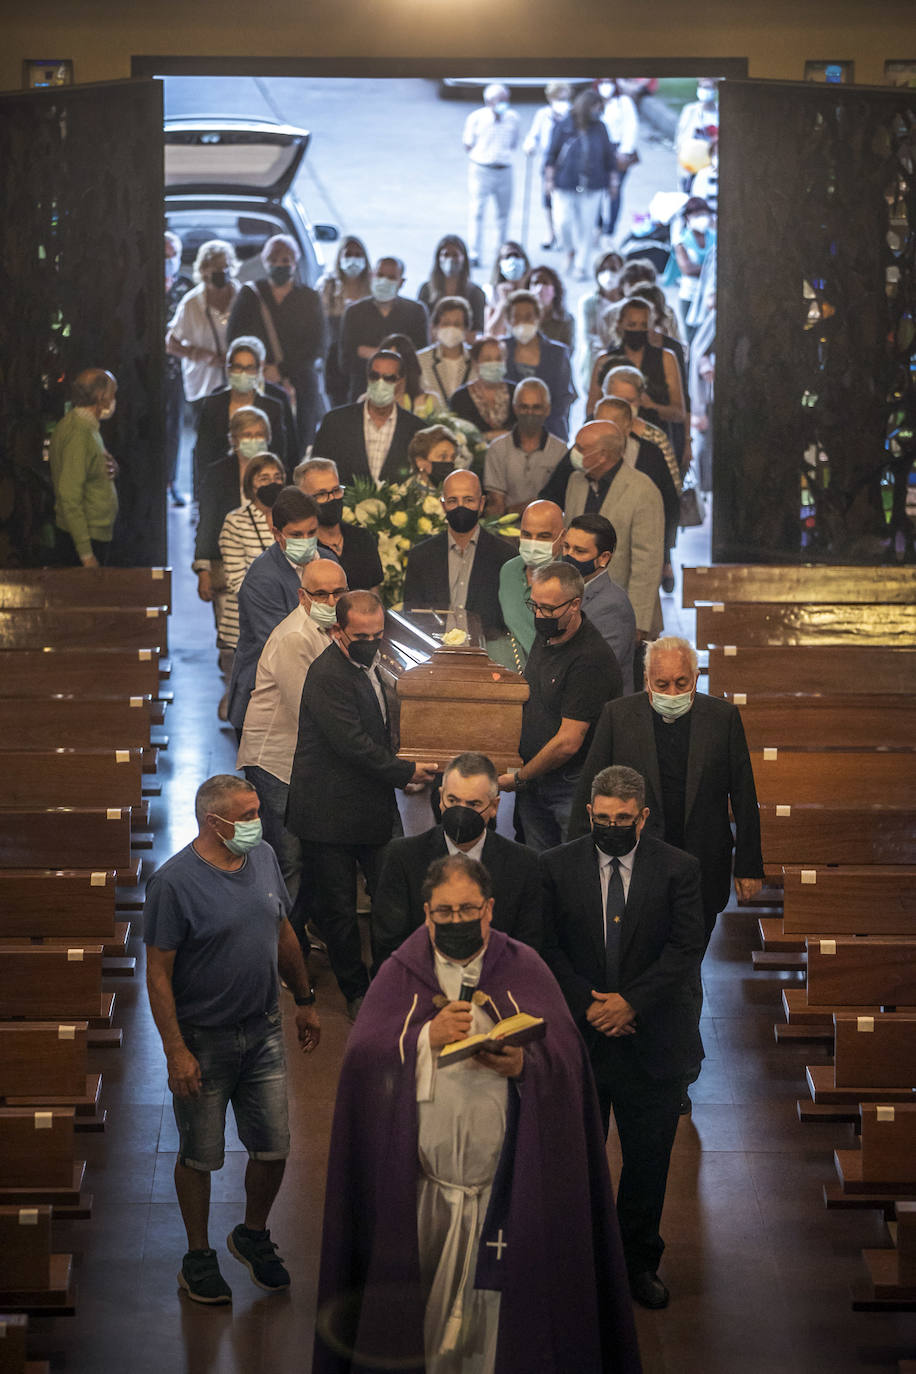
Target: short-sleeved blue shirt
[224, 926]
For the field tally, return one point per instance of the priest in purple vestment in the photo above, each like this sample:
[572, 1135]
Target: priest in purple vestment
[469, 1224]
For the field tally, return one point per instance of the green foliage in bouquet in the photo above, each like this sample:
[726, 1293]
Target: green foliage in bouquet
[398, 515]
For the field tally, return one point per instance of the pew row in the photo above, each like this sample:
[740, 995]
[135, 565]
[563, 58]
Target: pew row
[821, 777]
[67, 837]
[891, 1282]
[884, 1168]
[811, 836]
[45, 588]
[60, 904]
[37, 1163]
[840, 670]
[797, 720]
[770, 623]
[13, 1346]
[82, 672]
[812, 583]
[44, 1064]
[71, 777]
[32, 1278]
[72, 722]
[853, 898]
[112, 627]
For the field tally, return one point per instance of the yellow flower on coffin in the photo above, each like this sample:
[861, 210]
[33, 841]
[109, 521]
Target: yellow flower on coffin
[432, 505]
[347, 516]
[424, 525]
[455, 637]
[402, 543]
[370, 509]
[399, 519]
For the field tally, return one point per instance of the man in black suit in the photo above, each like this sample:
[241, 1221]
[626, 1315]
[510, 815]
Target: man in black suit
[469, 797]
[366, 322]
[691, 750]
[458, 569]
[370, 437]
[623, 934]
[341, 789]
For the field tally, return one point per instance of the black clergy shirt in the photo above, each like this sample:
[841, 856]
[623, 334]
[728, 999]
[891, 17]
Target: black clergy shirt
[672, 745]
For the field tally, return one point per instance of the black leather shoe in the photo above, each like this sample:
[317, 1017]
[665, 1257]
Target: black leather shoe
[648, 1290]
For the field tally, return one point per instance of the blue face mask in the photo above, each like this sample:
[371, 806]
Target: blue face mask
[243, 381]
[352, 267]
[671, 707]
[246, 835]
[384, 289]
[250, 448]
[299, 550]
[535, 552]
[491, 372]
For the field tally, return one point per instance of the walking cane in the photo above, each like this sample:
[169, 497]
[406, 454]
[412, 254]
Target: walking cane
[526, 193]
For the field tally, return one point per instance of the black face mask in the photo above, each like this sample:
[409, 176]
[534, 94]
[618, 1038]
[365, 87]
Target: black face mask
[635, 338]
[547, 626]
[218, 279]
[268, 494]
[615, 840]
[363, 651]
[280, 274]
[462, 824]
[458, 939]
[462, 519]
[439, 472]
[530, 424]
[330, 512]
[584, 567]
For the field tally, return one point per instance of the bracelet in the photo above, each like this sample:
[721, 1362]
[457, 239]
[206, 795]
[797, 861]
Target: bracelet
[305, 1001]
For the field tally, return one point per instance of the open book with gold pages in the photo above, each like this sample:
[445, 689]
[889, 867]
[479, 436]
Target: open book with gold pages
[512, 1030]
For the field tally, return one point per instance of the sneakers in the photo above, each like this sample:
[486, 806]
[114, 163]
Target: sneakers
[200, 1278]
[257, 1252]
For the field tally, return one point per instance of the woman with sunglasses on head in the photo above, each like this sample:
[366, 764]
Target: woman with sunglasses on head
[509, 271]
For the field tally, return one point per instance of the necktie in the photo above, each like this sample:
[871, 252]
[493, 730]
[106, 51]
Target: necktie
[594, 499]
[614, 907]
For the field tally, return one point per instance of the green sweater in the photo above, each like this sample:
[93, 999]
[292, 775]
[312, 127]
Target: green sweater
[85, 499]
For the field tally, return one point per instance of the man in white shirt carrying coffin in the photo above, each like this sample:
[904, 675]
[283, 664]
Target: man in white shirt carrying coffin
[469, 1222]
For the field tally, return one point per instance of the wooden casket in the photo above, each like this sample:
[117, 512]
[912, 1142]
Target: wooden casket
[451, 698]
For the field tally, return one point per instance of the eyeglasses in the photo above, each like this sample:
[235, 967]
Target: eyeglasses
[619, 823]
[466, 912]
[322, 496]
[242, 371]
[547, 610]
[326, 596]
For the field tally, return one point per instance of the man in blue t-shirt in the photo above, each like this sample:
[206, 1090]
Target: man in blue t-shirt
[216, 928]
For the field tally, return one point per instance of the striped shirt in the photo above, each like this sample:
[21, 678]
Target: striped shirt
[245, 535]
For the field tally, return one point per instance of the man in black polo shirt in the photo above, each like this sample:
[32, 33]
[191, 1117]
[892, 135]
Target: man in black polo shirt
[572, 673]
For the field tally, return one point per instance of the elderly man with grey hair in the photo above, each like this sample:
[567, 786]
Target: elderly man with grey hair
[571, 673]
[520, 463]
[215, 930]
[83, 473]
[491, 136]
[691, 750]
[354, 547]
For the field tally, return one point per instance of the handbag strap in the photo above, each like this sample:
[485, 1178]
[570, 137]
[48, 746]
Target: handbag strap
[270, 328]
[257, 528]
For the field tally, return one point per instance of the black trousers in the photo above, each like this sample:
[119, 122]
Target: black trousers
[646, 1114]
[333, 868]
[66, 556]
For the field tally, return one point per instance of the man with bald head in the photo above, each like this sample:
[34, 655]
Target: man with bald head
[519, 463]
[542, 531]
[647, 458]
[602, 484]
[272, 718]
[83, 473]
[458, 569]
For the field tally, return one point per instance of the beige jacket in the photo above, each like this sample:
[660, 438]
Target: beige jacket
[634, 507]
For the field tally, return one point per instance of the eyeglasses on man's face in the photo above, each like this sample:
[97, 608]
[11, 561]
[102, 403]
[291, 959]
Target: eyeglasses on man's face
[466, 912]
[548, 610]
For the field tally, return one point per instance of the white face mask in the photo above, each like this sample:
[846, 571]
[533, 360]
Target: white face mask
[323, 616]
[535, 552]
[606, 89]
[450, 336]
[250, 448]
[671, 707]
[107, 413]
[606, 279]
[513, 269]
[524, 333]
[700, 223]
[577, 459]
[706, 95]
[560, 108]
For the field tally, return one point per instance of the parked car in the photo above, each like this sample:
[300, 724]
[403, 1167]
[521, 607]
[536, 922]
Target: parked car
[233, 179]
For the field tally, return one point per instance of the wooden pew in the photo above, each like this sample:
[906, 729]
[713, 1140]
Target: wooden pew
[797, 720]
[40, 588]
[758, 624]
[71, 777]
[810, 836]
[813, 583]
[849, 973]
[879, 1051]
[71, 722]
[37, 1161]
[40, 981]
[13, 1346]
[44, 1064]
[837, 669]
[84, 672]
[112, 627]
[854, 899]
[73, 837]
[892, 1272]
[821, 777]
[43, 903]
[32, 1279]
[884, 1169]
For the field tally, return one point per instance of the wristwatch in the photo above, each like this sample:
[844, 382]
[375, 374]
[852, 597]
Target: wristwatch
[305, 1001]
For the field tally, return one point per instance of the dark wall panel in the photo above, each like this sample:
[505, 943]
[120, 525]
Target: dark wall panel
[81, 277]
[816, 344]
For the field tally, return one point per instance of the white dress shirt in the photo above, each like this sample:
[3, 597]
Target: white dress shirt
[272, 720]
[622, 123]
[490, 141]
[475, 852]
[378, 439]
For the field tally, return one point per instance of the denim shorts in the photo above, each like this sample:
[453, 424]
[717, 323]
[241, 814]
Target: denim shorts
[243, 1064]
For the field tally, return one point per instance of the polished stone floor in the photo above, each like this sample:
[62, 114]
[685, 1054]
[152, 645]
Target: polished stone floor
[759, 1271]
